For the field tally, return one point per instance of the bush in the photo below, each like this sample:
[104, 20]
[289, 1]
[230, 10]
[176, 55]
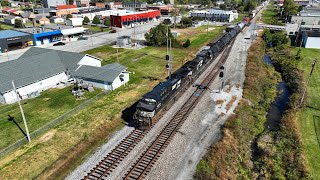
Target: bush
[69, 16]
[18, 23]
[187, 43]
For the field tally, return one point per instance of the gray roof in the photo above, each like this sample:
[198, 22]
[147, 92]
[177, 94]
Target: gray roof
[25, 14]
[10, 17]
[106, 73]
[37, 18]
[34, 65]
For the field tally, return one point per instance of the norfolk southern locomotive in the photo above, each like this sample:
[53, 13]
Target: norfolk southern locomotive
[152, 102]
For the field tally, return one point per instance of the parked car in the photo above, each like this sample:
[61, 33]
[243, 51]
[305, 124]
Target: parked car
[83, 38]
[113, 31]
[59, 44]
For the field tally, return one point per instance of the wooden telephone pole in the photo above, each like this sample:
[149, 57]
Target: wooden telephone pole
[305, 89]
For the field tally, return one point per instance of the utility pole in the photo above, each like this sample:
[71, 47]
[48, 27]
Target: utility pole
[22, 113]
[170, 61]
[305, 89]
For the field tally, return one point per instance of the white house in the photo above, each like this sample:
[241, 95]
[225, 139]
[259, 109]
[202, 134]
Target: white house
[74, 22]
[39, 69]
[11, 19]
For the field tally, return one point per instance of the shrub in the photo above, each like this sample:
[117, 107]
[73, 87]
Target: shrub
[187, 43]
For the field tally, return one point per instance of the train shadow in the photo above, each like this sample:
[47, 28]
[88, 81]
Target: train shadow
[127, 115]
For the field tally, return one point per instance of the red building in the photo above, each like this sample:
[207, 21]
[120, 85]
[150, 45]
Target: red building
[164, 9]
[129, 18]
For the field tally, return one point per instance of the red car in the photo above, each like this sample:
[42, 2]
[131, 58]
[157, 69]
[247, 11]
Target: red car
[113, 31]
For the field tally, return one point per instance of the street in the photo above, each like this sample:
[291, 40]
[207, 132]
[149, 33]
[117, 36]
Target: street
[93, 41]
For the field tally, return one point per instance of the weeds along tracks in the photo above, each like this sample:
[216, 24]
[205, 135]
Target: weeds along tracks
[146, 161]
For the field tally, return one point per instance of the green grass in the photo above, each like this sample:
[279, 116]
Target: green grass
[5, 26]
[99, 120]
[307, 124]
[95, 28]
[38, 111]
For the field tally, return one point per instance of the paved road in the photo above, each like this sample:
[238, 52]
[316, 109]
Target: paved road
[94, 41]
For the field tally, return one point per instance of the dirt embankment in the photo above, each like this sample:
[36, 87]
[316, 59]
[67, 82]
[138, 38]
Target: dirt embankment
[277, 155]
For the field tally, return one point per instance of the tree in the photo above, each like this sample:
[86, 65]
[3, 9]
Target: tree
[18, 23]
[167, 21]
[289, 9]
[186, 21]
[241, 9]
[69, 16]
[107, 22]
[300, 8]
[5, 3]
[223, 6]
[157, 36]
[96, 20]
[279, 38]
[86, 20]
[187, 43]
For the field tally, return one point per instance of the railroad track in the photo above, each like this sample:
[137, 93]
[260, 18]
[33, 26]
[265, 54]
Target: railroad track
[112, 159]
[147, 160]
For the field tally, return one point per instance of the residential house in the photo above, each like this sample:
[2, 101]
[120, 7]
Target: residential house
[42, 20]
[11, 19]
[74, 22]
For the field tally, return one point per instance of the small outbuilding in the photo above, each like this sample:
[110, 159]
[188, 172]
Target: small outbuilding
[74, 22]
[311, 39]
[56, 20]
[123, 41]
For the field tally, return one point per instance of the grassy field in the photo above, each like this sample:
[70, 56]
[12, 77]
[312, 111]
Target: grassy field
[65, 146]
[307, 119]
[96, 28]
[38, 111]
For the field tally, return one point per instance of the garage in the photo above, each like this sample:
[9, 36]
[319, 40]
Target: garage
[12, 40]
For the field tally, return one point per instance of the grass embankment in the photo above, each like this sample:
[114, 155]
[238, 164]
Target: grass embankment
[269, 16]
[5, 26]
[230, 158]
[38, 111]
[57, 152]
[309, 120]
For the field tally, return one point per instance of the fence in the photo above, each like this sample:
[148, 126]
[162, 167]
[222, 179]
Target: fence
[49, 125]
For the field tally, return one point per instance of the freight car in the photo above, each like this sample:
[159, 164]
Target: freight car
[152, 102]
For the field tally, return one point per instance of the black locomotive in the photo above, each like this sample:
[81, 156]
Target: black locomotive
[152, 102]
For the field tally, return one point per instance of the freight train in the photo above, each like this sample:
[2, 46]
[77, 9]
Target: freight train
[152, 102]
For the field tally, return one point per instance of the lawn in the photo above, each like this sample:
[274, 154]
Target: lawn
[5, 26]
[65, 146]
[95, 28]
[38, 111]
[308, 117]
